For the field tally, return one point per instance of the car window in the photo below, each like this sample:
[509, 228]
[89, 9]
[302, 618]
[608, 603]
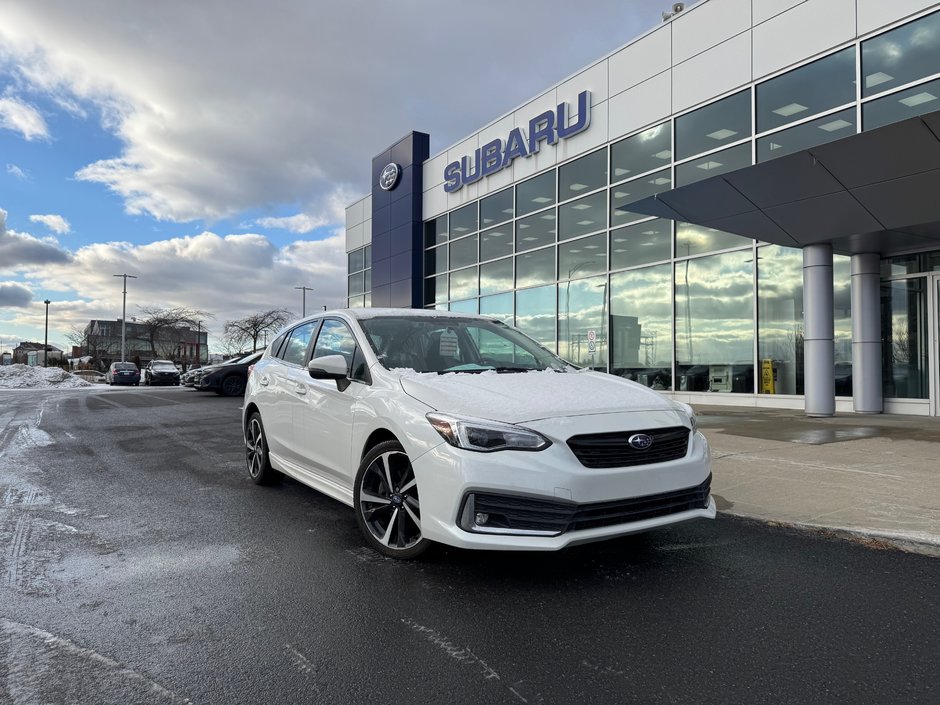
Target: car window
[295, 349]
[335, 339]
[276, 345]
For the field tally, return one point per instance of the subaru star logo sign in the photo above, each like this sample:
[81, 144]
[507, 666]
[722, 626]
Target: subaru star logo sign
[388, 179]
[640, 441]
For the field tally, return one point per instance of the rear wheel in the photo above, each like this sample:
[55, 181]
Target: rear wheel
[256, 453]
[232, 386]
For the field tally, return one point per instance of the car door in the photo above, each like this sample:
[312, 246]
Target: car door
[324, 420]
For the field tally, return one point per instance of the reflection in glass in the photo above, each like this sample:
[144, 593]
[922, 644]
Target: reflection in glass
[435, 260]
[910, 264]
[713, 165]
[499, 306]
[814, 88]
[723, 122]
[535, 314]
[697, 239]
[435, 290]
[842, 315]
[535, 193]
[641, 243]
[496, 208]
[629, 192]
[496, 276]
[582, 175]
[496, 242]
[435, 231]
[902, 55]
[469, 306]
[535, 231]
[780, 320]
[367, 300]
[367, 256]
[368, 275]
[582, 322]
[905, 347]
[642, 152]
[715, 323]
[918, 100]
[357, 302]
[355, 261]
[641, 325]
[582, 216]
[581, 258]
[464, 283]
[810, 134]
[463, 220]
[463, 252]
[356, 282]
[535, 268]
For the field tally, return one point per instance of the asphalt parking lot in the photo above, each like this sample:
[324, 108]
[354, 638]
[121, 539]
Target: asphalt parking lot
[138, 564]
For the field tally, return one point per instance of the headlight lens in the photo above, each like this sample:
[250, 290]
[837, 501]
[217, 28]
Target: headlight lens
[690, 412]
[485, 436]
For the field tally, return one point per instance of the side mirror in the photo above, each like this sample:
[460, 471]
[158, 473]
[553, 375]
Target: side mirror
[330, 367]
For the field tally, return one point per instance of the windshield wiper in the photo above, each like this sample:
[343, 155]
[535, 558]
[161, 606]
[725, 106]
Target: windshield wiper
[509, 368]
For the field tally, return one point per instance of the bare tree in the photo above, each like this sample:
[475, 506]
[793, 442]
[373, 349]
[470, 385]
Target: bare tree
[163, 328]
[239, 333]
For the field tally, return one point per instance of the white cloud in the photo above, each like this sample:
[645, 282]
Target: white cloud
[21, 250]
[15, 171]
[23, 118]
[300, 223]
[14, 294]
[56, 223]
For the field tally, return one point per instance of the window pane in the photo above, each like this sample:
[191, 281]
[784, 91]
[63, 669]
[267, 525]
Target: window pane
[335, 339]
[463, 252]
[842, 315]
[582, 216]
[715, 323]
[535, 268]
[582, 175]
[435, 290]
[714, 164]
[715, 125]
[463, 221]
[435, 231]
[780, 319]
[469, 306]
[631, 191]
[356, 302]
[810, 89]
[496, 242]
[356, 284]
[367, 256]
[535, 314]
[368, 284]
[499, 306]
[641, 325]
[535, 231]
[902, 105]
[643, 152]
[905, 350]
[296, 348]
[435, 261]
[640, 244]
[464, 283]
[582, 328]
[535, 193]
[810, 134]
[902, 55]
[696, 239]
[911, 264]
[496, 208]
[496, 276]
[355, 261]
[367, 300]
[581, 258]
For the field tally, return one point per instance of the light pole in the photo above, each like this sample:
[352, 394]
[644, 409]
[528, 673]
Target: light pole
[305, 290]
[45, 349]
[124, 313]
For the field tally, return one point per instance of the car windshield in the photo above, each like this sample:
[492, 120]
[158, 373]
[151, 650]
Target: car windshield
[162, 365]
[451, 344]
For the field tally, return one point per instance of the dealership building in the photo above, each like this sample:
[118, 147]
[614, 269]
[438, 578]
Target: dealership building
[740, 206]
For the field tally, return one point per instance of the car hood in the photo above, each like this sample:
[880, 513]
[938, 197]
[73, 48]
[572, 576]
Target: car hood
[529, 396]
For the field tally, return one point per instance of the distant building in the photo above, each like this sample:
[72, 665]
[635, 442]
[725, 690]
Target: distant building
[22, 352]
[102, 340]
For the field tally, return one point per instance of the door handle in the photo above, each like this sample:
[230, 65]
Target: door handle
[301, 389]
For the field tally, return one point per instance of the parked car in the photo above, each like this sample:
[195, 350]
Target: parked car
[445, 427]
[122, 373]
[229, 378]
[161, 372]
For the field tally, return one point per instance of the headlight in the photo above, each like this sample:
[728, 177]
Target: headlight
[485, 436]
[688, 411]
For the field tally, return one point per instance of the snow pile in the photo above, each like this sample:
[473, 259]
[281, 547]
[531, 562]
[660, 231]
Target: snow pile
[26, 377]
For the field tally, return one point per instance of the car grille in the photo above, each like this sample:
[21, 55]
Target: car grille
[528, 514]
[611, 450]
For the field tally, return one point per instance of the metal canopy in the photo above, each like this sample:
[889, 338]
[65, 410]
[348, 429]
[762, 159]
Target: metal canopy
[877, 191]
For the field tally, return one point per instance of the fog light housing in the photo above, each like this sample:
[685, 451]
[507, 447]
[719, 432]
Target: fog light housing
[481, 518]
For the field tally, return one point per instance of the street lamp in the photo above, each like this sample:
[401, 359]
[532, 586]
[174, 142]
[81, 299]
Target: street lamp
[305, 290]
[124, 313]
[45, 349]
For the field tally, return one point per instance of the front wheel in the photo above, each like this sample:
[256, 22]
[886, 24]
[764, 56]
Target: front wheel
[256, 453]
[388, 510]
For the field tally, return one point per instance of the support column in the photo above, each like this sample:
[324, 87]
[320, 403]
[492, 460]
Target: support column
[866, 334]
[818, 331]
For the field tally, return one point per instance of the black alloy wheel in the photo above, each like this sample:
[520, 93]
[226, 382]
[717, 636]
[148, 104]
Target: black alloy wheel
[256, 453]
[232, 386]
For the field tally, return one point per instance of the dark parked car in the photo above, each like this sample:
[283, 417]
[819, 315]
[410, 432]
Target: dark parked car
[228, 379]
[122, 373]
[161, 372]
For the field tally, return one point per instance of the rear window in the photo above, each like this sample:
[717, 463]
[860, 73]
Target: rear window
[124, 366]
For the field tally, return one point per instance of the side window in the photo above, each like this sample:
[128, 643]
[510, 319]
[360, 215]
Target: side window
[360, 371]
[276, 345]
[335, 339]
[295, 349]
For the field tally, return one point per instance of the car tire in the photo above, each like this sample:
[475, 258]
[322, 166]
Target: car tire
[256, 453]
[232, 386]
[385, 498]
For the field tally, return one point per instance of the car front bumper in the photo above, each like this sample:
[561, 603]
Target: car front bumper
[164, 380]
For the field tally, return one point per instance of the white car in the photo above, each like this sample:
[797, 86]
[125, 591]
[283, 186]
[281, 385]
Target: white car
[458, 429]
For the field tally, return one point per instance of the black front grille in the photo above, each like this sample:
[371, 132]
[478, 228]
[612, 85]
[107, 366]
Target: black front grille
[611, 450]
[528, 514]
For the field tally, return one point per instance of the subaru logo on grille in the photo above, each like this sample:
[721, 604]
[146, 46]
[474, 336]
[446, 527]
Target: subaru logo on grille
[640, 441]
[389, 177]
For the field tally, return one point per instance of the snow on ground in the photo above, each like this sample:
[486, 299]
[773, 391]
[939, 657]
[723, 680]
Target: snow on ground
[26, 377]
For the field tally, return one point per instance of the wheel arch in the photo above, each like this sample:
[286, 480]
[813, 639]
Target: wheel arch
[379, 435]
[250, 408]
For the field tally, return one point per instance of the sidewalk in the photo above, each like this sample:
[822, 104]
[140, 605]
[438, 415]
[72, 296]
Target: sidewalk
[877, 477]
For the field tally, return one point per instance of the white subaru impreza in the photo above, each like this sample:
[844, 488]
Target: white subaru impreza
[459, 429]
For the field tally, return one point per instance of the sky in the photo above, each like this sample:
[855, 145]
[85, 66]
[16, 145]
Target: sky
[211, 148]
